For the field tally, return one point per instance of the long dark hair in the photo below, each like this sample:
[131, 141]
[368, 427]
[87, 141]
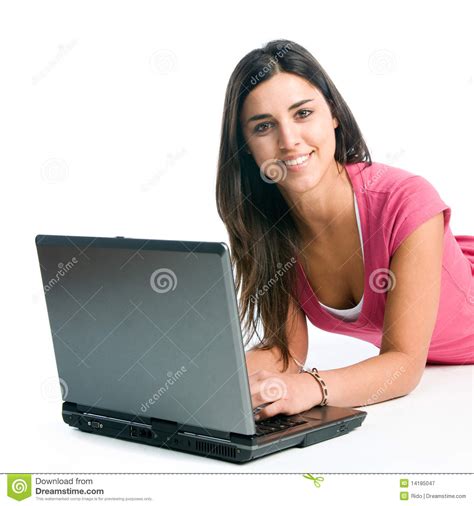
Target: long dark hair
[262, 233]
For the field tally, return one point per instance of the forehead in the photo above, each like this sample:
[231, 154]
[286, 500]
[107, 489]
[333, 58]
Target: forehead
[280, 91]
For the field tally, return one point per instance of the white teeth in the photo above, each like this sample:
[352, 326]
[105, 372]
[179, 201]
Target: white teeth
[298, 161]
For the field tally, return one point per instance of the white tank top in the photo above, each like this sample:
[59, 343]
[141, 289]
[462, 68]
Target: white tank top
[352, 313]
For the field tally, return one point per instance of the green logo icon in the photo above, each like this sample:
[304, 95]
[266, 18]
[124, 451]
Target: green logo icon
[316, 479]
[403, 483]
[404, 496]
[19, 486]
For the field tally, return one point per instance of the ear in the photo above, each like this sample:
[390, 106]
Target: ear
[335, 122]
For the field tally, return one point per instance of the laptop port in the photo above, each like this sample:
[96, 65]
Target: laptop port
[146, 433]
[139, 432]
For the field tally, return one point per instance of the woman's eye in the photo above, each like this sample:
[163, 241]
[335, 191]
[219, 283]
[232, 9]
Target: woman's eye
[257, 128]
[305, 110]
[260, 130]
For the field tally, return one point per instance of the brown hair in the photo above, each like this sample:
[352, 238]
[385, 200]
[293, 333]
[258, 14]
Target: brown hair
[262, 233]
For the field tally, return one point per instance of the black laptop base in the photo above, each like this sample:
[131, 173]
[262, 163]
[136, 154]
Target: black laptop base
[235, 448]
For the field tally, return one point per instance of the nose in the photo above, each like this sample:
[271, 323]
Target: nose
[288, 137]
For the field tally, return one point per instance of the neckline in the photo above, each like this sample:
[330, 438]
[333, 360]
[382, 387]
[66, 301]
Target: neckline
[362, 319]
[344, 312]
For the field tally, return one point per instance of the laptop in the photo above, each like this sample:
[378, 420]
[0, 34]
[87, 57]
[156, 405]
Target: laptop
[148, 347]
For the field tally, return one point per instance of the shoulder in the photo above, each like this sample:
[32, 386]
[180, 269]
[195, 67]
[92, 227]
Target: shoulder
[390, 189]
[397, 201]
[380, 177]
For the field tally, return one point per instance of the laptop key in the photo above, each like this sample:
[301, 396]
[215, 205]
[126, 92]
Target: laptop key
[275, 425]
[271, 429]
[262, 431]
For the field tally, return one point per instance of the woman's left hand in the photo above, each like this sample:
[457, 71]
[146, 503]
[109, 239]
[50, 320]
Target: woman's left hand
[287, 393]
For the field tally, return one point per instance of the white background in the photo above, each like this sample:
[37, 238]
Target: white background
[110, 117]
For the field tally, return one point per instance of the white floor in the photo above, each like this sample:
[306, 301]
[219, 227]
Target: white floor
[429, 430]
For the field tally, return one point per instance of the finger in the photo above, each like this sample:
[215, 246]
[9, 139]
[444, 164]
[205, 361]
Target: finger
[256, 397]
[261, 394]
[260, 407]
[271, 410]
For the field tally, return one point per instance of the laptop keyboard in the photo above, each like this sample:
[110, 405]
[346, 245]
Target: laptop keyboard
[277, 423]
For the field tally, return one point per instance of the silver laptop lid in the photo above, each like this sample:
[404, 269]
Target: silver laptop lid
[147, 327]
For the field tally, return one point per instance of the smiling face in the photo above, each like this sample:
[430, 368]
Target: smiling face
[287, 117]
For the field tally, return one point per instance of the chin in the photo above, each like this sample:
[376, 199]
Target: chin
[302, 184]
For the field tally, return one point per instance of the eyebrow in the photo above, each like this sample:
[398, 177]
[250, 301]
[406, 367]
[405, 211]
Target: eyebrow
[294, 106]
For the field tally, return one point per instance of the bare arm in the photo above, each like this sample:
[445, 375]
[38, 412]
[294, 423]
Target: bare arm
[410, 318]
[409, 321]
[376, 379]
[297, 334]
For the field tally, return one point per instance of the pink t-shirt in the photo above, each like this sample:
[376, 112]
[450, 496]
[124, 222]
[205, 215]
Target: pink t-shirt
[392, 203]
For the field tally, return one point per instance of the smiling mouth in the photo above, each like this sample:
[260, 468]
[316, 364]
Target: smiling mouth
[298, 162]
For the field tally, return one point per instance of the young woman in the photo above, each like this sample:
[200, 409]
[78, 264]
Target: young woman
[318, 230]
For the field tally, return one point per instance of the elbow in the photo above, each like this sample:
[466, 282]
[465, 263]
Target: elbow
[413, 383]
[410, 372]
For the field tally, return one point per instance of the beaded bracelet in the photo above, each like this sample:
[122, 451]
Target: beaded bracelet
[314, 372]
[324, 390]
